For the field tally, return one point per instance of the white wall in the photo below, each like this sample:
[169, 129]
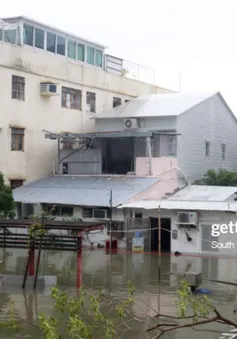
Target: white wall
[195, 246]
[210, 121]
[37, 113]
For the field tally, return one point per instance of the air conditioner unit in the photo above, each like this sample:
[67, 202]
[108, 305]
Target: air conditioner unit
[99, 214]
[187, 218]
[130, 123]
[48, 89]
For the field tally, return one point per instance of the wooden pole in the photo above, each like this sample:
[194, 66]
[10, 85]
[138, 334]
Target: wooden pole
[159, 243]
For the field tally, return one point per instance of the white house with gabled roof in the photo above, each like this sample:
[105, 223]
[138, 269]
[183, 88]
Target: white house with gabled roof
[198, 129]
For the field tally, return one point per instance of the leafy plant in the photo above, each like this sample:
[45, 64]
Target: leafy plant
[222, 177]
[6, 198]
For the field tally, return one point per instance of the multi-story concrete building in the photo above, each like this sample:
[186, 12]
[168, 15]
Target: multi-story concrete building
[52, 80]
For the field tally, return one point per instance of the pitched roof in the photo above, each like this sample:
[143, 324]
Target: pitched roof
[83, 190]
[204, 193]
[183, 205]
[167, 104]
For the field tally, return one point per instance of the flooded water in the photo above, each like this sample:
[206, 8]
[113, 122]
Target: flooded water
[110, 273]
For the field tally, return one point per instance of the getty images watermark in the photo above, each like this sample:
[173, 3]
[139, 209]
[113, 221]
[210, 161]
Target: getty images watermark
[218, 229]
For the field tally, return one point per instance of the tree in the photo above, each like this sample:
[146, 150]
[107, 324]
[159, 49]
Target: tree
[83, 316]
[222, 177]
[6, 198]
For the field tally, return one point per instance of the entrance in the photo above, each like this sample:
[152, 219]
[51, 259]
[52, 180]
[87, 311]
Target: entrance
[165, 235]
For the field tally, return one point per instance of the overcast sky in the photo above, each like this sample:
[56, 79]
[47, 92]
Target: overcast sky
[196, 38]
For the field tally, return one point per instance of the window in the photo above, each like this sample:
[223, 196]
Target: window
[126, 100]
[90, 55]
[207, 239]
[10, 36]
[66, 211]
[18, 87]
[80, 52]
[51, 42]
[39, 38]
[57, 210]
[138, 215]
[172, 145]
[71, 98]
[60, 45]
[116, 101]
[207, 148]
[16, 183]
[71, 49]
[223, 151]
[98, 58]
[87, 213]
[90, 102]
[28, 36]
[17, 139]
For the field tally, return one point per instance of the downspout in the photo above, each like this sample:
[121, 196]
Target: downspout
[148, 144]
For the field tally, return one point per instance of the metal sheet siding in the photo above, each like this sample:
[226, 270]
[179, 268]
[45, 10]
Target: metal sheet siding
[82, 191]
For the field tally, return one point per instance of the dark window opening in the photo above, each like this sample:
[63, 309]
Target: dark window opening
[207, 148]
[117, 101]
[126, 100]
[61, 45]
[90, 55]
[80, 52]
[71, 98]
[18, 87]
[117, 156]
[138, 215]
[17, 139]
[39, 38]
[57, 210]
[65, 168]
[16, 183]
[223, 151]
[51, 42]
[90, 102]
[28, 35]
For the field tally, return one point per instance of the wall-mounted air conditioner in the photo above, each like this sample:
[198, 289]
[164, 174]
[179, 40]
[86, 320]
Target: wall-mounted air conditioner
[130, 123]
[187, 218]
[99, 214]
[48, 89]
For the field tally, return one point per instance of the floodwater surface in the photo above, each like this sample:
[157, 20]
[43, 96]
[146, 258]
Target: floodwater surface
[110, 274]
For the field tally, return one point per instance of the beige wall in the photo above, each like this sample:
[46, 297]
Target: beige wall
[37, 112]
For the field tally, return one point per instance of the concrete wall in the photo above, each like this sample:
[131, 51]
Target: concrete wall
[182, 245]
[37, 113]
[154, 123]
[209, 121]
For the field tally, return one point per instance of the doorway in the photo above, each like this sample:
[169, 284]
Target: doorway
[165, 235]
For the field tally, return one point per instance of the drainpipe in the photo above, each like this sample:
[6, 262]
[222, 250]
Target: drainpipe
[148, 145]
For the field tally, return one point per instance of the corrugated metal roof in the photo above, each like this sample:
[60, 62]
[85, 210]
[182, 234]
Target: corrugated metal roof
[183, 205]
[204, 193]
[168, 104]
[82, 191]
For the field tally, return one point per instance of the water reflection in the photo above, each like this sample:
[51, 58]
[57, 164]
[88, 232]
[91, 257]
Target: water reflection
[111, 273]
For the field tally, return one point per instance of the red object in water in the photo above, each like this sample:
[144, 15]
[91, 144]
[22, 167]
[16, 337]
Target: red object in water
[79, 261]
[31, 269]
[114, 245]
